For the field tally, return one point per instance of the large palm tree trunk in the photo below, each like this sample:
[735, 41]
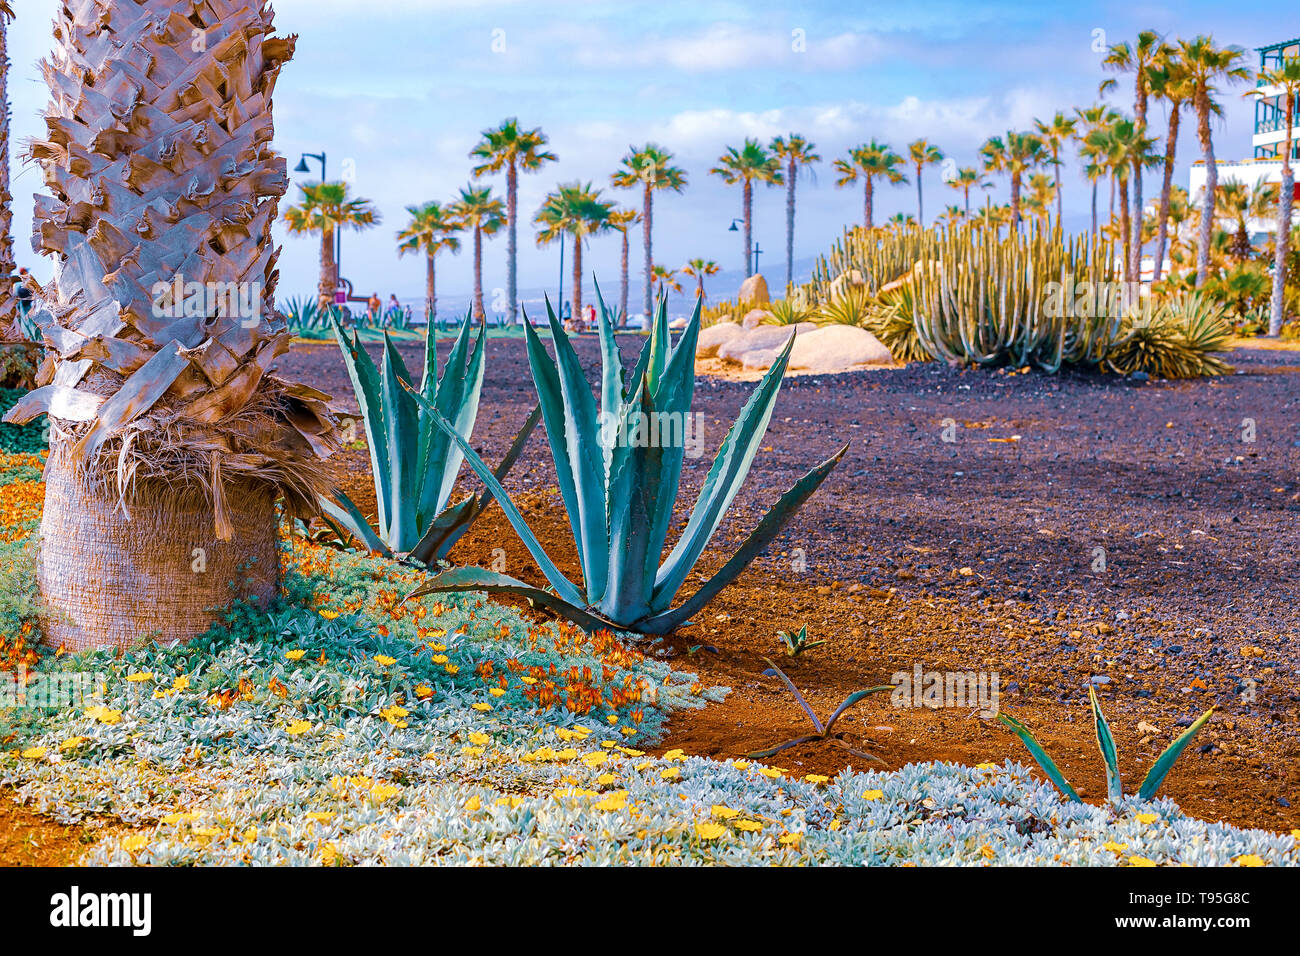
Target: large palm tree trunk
[920, 204]
[1015, 201]
[1283, 242]
[1059, 206]
[622, 296]
[430, 290]
[329, 280]
[8, 301]
[789, 230]
[1140, 113]
[866, 204]
[170, 440]
[647, 210]
[1166, 188]
[1126, 231]
[1211, 188]
[479, 312]
[512, 239]
[748, 192]
[577, 280]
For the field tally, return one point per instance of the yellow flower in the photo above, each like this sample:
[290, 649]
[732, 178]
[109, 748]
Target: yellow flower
[629, 752]
[205, 831]
[496, 692]
[815, 778]
[481, 707]
[726, 813]
[769, 772]
[675, 754]
[511, 802]
[1140, 861]
[986, 766]
[481, 740]
[672, 773]
[104, 715]
[298, 727]
[384, 791]
[614, 801]
[987, 852]
[709, 831]
[328, 614]
[472, 751]
[34, 753]
[383, 660]
[1295, 834]
[740, 764]
[595, 758]
[179, 818]
[452, 668]
[873, 795]
[791, 839]
[71, 743]
[1148, 817]
[529, 680]
[605, 779]
[607, 744]
[321, 816]
[181, 683]
[440, 658]
[135, 842]
[1114, 847]
[644, 765]
[1249, 859]
[473, 803]
[295, 655]
[424, 692]
[139, 677]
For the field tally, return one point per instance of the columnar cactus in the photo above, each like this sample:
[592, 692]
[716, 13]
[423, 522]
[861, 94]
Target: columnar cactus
[170, 438]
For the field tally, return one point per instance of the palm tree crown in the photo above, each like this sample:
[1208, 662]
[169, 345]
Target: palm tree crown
[921, 154]
[795, 152]
[322, 210]
[574, 209]
[1014, 154]
[649, 168]
[752, 163]
[484, 215]
[869, 162]
[432, 230]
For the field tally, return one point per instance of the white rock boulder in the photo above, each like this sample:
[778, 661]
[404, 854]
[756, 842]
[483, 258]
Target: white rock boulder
[835, 348]
[754, 318]
[714, 337]
[753, 291]
[760, 339]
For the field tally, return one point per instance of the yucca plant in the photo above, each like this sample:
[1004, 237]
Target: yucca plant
[891, 318]
[787, 312]
[1178, 339]
[824, 731]
[414, 463]
[619, 484]
[797, 643]
[1106, 744]
[850, 307]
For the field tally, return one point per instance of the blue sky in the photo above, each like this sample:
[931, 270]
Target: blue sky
[399, 89]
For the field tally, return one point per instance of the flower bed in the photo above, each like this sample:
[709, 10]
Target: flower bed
[341, 727]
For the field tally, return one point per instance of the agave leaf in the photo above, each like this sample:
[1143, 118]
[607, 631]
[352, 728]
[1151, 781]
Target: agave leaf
[611, 369]
[1106, 743]
[351, 518]
[438, 537]
[1040, 756]
[660, 344]
[586, 459]
[773, 751]
[365, 384]
[490, 582]
[636, 493]
[723, 481]
[798, 696]
[401, 420]
[853, 699]
[457, 398]
[563, 587]
[768, 528]
[1165, 762]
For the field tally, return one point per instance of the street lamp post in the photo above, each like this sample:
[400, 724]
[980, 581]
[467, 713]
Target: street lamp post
[735, 228]
[302, 167]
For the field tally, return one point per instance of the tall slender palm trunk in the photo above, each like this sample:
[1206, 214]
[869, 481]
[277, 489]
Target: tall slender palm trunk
[791, 172]
[1015, 201]
[1056, 166]
[1211, 187]
[1140, 114]
[866, 204]
[920, 204]
[577, 279]
[329, 279]
[512, 240]
[647, 211]
[748, 192]
[1282, 244]
[1094, 210]
[1166, 188]
[966, 194]
[430, 290]
[479, 312]
[1125, 226]
[622, 295]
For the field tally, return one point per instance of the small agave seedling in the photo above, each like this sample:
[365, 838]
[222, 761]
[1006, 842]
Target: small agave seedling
[1106, 743]
[619, 491]
[797, 643]
[823, 730]
[413, 461]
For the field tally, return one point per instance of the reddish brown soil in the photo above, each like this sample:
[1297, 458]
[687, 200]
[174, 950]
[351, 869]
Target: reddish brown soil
[978, 555]
[29, 839]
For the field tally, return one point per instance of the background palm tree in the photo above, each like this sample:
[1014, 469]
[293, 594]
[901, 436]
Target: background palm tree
[484, 215]
[869, 162]
[701, 268]
[966, 179]
[1208, 65]
[900, 220]
[1124, 150]
[952, 215]
[577, 210]
[431, 230]
[8, 302]
[621, 220]
[1169, 82]
[323, 209]
[794, 151]
[1283, 80]
[649, 168]
[1092, 118]
[1056, 132]
[1137, 59]
[922, 154]
[665, 278]
[514, 150]
[1014, 154]
[1042, 190]
[169, 435]
[747, 165]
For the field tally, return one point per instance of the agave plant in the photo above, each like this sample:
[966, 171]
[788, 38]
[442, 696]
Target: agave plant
[797, 643]
[414, 463]
[1176, 340]
[824, 731]
[850, 307]
[891, 318]
[619, 485]
[787, 312]
[1106, 744]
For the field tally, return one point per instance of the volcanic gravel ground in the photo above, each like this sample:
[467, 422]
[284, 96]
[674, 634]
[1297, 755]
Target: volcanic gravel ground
[1056, 530]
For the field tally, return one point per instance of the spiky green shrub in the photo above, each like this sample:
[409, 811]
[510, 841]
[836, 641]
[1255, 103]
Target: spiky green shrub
[787, 312]
[850, 307]
[414, 463]
[1176, 339]
[1106, 744]
[619, 485]
[1038, 299]
[891, 317]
